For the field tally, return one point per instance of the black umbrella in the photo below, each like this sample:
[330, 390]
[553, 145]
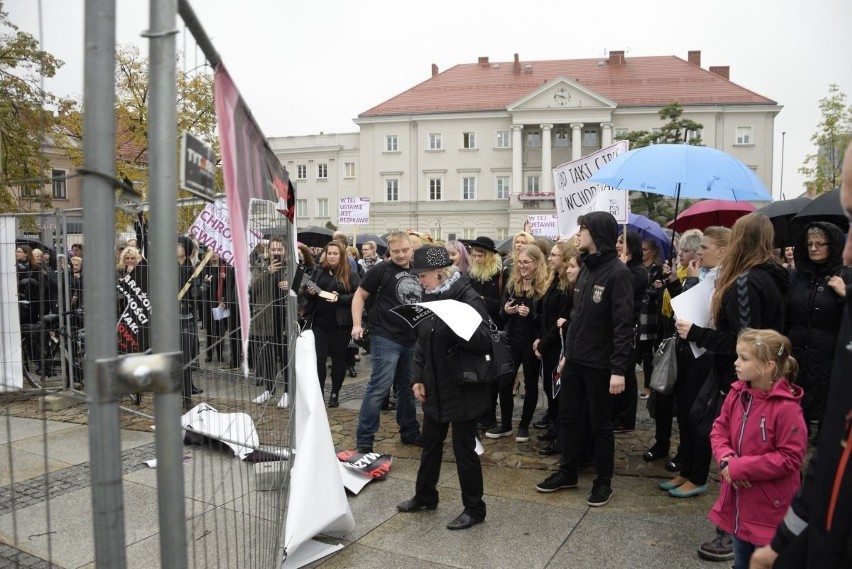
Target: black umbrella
[277, 230]
[826, 208]
[315, 236]
[506, 245]
[780, 213]
[381, 244]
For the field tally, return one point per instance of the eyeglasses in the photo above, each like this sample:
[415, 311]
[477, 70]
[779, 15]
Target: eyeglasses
[521, 262]
[816, 244]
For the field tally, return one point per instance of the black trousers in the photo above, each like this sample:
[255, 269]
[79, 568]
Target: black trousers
[695, 451]
[270, 355]
[467, 464]
[332, 342]
[624, 404]
[582, 385]
[189, 351]
[522, 356]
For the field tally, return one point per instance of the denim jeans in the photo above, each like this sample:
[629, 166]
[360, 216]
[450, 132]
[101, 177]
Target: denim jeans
[742, 552]
[392, 365]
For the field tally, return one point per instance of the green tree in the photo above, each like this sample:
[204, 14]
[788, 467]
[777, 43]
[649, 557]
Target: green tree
[677, 130]
[24, 124]
[196, 113]
[834, 131]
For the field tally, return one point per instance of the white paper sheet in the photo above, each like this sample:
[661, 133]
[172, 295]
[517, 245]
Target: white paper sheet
[462, 318]
[220, 313]
[694, 306]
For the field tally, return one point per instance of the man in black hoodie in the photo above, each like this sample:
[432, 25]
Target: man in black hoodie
[597, 352]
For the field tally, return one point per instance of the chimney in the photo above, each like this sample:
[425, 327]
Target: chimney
[516, 68]
[483, 61]
[434, 70]
[616, 57]
[723, 71]
[694, 57]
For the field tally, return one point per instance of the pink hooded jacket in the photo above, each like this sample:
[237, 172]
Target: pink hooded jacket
[766, 437]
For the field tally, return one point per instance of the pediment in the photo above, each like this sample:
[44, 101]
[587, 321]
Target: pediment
[562, 93]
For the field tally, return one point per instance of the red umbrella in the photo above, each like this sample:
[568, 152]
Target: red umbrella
[710, 212]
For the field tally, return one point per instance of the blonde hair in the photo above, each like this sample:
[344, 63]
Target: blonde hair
[528, 239]
[540, 279]
[129, 249]
[569, 250]
[491, 265]
[771, 348]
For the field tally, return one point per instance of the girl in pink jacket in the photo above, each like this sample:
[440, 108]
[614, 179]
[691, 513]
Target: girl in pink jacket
[759, 441]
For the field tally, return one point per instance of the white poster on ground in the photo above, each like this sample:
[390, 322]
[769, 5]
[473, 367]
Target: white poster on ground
[317, 500]
[575, 194]
[353, 211]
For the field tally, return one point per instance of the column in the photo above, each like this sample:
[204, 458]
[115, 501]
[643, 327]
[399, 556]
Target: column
[576, 140]
[606, 134]
[546, 160]
[517, 162]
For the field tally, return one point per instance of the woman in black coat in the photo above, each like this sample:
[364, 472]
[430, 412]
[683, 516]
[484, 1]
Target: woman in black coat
[815, 310]
[444, 401]
[330, 315]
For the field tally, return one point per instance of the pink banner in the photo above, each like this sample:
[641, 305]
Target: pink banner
[251, 170]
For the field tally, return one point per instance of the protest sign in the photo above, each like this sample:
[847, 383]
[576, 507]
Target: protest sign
[544, 225]
[353, 211]
[575, 194]
[212, 229]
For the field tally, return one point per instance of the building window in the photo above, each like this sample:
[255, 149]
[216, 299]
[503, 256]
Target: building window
[392, 143]
[503, 187]
[533, 184]
[469, 233]
[562, 139]
[469, 140]
[322, 171]
[468, 188]
[744, 135]
[392, 190]
[534, 139]
[58, 183]
[322, 207]
[502, 233]
[301, 171]
[435, 188]
[621, 133]
[436, 141]
[301, 208]
[349, 169]
[437, 233]
[590, 137]
[504, 139]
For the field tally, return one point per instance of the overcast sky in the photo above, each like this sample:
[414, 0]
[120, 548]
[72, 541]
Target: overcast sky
[312, 66]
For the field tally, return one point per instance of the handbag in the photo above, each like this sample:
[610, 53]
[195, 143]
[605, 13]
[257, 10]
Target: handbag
[472, 368]
[664, 376]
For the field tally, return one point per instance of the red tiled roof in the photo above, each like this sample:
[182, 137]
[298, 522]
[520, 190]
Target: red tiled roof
[639, 81]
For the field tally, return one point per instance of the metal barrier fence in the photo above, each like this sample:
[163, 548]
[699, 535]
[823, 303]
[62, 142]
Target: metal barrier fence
[238, 429]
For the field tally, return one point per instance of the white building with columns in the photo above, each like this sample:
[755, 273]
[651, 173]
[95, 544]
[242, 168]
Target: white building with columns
[469, 151]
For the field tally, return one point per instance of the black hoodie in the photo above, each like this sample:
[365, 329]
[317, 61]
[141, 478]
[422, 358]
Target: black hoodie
[601, 331]
[760, 304]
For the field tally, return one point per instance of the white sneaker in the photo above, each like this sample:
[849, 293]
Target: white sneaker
[284, 402]
[263, 398]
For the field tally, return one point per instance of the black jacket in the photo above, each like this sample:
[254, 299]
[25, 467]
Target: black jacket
[814, 313]
[343, 306]
[817, 546]
[445, 400]
[760, 305]
[601, 331]
[555, 304]
[492, 293]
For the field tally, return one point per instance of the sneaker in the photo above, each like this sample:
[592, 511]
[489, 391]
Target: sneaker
[557, 481]
[262, 398]
[284, 402]
[601, 493]
[499, 432]
[543, 423]
[523, 435]
[486, 424]
[719, 549]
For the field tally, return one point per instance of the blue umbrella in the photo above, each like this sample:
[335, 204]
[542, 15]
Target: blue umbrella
[683, 170]
[650, 229]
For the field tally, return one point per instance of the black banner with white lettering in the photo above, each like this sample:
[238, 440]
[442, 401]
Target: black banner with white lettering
[132, 328]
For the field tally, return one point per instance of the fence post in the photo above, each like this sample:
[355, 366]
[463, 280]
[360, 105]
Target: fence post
[99, 271]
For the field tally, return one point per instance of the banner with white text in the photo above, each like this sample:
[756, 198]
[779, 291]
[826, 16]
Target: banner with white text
[575, 194]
